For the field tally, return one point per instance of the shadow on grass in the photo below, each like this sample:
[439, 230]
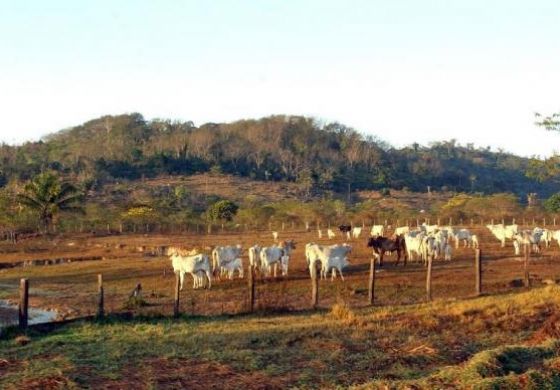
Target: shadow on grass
[44, 329]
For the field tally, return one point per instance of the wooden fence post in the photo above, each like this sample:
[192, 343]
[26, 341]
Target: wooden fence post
[438, 222]
[478, 272]
[371, 292]
[526, 267]
[554, 221]
[544, 222]
[251, 281]
[314, 286]
[177, 291]
[100, 297]
[429, 279]
[23, 307]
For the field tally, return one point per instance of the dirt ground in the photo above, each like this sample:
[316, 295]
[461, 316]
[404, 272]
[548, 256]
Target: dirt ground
[125, 260]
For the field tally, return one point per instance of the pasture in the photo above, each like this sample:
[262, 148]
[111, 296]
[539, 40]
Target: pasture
[284, 343]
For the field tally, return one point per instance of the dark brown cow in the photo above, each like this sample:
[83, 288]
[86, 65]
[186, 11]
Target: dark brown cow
[381, 245]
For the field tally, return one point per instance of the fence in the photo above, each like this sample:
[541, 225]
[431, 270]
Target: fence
[207, 229]
[252, 284]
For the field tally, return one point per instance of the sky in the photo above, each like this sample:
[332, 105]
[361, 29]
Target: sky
[403, 70]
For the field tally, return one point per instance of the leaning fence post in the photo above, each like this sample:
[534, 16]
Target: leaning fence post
[371, 293]
[526, 267]
[100, 297]
[177, 289]
[478, 272]
[23, 303]
[314, 286]
[429, 279]
[251, 281]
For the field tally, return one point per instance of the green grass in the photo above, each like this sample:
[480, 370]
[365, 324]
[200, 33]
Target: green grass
[480, 342]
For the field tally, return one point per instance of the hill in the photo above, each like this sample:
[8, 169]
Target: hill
[315, 156]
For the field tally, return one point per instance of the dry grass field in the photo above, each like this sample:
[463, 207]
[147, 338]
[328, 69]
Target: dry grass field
[284, 344]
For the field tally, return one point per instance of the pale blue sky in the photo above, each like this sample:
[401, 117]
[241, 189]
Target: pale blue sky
[407, 71]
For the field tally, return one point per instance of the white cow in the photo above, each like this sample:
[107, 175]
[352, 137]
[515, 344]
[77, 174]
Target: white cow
[556, 236]
[413, 242]
[356, 231]
[429, 248]
[440, 243]
[447, 252]
[429, 228]
[196, 265]
[527, 237]
[474, 241]
[546, 235]
[221, 255]
[319, 233]
[254, 252]
[502, 232]
[231, 266]
[332, 257]
[275, 236]
[377, 230]
[331, 234]
[276, 255]
[462, 235]
[401, 230]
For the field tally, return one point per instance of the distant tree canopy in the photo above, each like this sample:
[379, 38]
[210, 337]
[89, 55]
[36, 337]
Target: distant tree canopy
[222, 210]
[548, 168]
[551, 122]
[318, 156]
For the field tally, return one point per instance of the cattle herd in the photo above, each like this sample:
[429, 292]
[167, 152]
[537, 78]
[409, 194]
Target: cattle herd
[421, 244]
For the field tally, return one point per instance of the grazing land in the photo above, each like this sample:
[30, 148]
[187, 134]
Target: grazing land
[456, 340]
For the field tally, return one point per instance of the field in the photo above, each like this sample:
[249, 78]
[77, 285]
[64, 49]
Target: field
[451, 341]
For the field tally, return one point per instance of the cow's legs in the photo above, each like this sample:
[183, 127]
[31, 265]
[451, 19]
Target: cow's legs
[181, 278]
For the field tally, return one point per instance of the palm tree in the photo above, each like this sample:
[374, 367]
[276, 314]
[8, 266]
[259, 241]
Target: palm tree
[48, 196]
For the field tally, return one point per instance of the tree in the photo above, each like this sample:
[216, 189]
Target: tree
[552, 204]
[46, 195]
[551, 122]
[222, 210]
[548, 168]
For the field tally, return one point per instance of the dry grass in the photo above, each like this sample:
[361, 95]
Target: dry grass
[398, 341]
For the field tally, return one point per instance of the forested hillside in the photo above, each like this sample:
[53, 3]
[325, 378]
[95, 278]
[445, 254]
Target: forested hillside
[316, 156]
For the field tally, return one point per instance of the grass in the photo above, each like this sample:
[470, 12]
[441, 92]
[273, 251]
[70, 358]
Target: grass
[480, 342]
[400, 342]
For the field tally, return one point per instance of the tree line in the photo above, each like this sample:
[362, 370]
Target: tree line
[318, 156]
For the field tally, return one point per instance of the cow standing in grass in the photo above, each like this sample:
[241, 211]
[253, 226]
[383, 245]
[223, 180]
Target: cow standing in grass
[380, 245]
[276, 255]
[197, 265]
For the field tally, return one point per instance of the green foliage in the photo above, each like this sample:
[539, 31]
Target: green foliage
[491, 206]
[317, 156]
[139, 214]
[552, 204]
[47, 196]
[222, 210]
[551, 122]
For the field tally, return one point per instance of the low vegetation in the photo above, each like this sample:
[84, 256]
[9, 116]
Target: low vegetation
[485, 342]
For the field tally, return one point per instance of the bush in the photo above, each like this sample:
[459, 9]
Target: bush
[552, 204]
